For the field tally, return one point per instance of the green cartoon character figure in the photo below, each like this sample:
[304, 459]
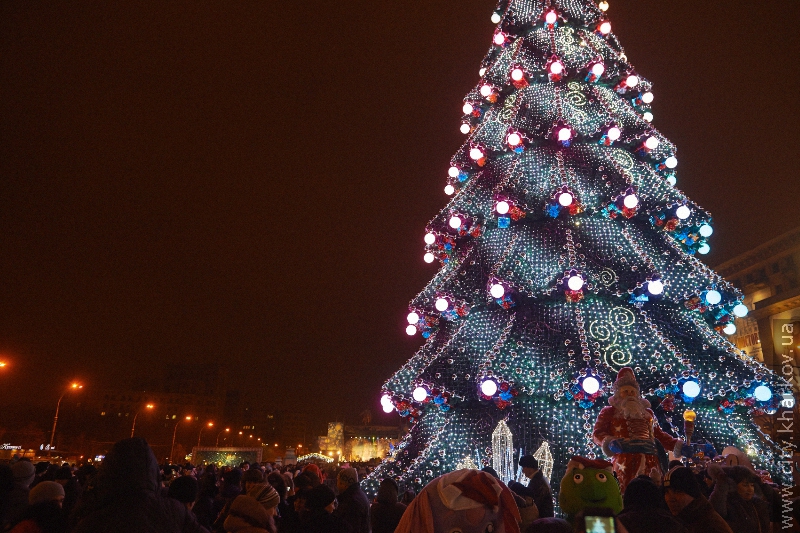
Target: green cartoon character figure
[589, 483]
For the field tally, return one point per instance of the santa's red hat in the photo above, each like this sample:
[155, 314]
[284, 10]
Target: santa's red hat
[626, 378]
[576, 461]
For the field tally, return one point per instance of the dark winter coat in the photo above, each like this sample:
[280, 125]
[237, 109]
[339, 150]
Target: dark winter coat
[127, 498]
[321, 521]
[742, 515]
[649, 520]
[700, 517]
[539, 490]
[354, 508]
[386, 511]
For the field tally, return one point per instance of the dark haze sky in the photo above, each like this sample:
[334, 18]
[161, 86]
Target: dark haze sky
[248, 182]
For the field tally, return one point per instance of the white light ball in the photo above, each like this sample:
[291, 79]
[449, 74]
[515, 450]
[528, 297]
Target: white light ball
[442, 304]
[647, 97]
[517, 74]
[575, 283]
[419, 394]
[411, 330]
[703, 249]
[613, 133]
[706, 230]
[467, 108]
[671, 162]
[556, 67]
[564, 134]
[499, 38]
[489, 387]
[497, 291]
[502, 207]
[551, 17]
[655, 287]
[729, 329]
[691, 389]
[386, 404]
[630, 201]
[486, 90]
[648, 116]
[763, 393]
[514, 139]
[651, 143]
[453, 172]
[740, 310]
[455, 222]
[603, 5]
[476, 153]
[449, 189]
[428, 257]
[412, 317]
[465, 128]
[632, 81]
[713, 297]
[672, 180]
[590, 385]
[495, 18]
[482, 71]
[605, 28]
[683, 212]
[565, 199]
[430, 238]
[598, 69]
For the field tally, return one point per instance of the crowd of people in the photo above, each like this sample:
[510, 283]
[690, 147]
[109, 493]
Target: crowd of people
[131, 492]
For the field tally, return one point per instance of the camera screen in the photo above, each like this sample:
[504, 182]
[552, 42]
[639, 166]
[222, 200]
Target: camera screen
[600, 524]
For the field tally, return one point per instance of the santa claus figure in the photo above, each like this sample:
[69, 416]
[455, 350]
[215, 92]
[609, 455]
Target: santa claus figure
[627, 430]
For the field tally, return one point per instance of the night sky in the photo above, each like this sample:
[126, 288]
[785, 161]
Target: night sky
[249, 182]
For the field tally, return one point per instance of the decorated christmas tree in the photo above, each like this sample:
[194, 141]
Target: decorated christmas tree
[566, 253]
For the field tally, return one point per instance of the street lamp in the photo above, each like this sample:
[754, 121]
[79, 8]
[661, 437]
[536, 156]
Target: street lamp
[133, 427]
[210, 424]
[226, 430]
[174, 432]
[73, 387]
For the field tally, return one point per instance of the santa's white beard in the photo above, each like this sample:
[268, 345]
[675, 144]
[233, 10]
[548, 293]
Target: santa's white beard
[631, 407]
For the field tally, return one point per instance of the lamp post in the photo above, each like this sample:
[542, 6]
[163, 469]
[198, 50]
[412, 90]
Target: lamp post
[133, 427]
[174, 432]
[226, 430]
[210, 424]
[72, 387]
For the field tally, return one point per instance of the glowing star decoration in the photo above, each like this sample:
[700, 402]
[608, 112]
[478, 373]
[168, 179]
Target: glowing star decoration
[419, 394]
[455, 222]
[565, 199]
[513, 139]
[497, 291]
[713, 297]
[705, 230]
[467, 462]
[545, 458]
[442, 304]
[729, 329]
[495, 18]
[551, 17]
[655, 287]
[613, 133]
[476, 154]
[691, 389]
[503, 452]
[564, 134]
[489, 387]
[411, 330]
[763, 393]
[598, 69]
[449, 190]
[430, 238]
[502, 207]
[412, 317]
[630, 201]
[386, 404]
[467, 108]
[590, 385]
[683, 212]
[428, 257]
[556, 67]
[740, 310]
[651, 143]
[465, 128]
[605, 28]
[575, 283]
[647, 97]
[517, 74]
[703, 249]
[632, 81]
[671, 162]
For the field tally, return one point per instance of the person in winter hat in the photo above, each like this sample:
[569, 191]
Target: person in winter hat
[734, 498]
[266, 495]
[246, 515]
[353, 503]
[17, 500]
[644, 509]
[319, 518]
[538, 487]
[385, 512]
[184, 489]
[465, 500]
[47, 491]
[687, 503]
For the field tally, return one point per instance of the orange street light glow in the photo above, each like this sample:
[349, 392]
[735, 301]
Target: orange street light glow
[211, 424]
[188, 418]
